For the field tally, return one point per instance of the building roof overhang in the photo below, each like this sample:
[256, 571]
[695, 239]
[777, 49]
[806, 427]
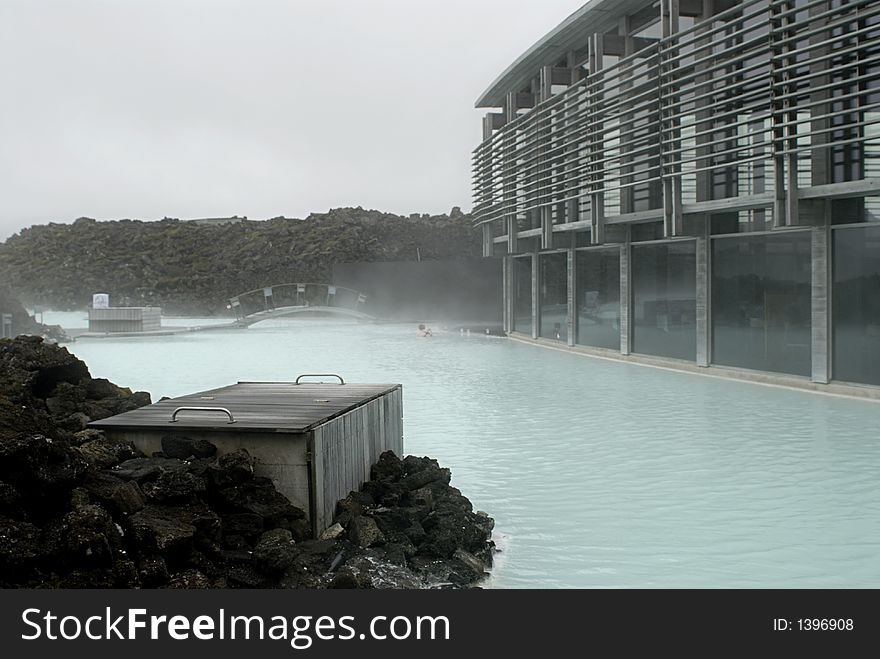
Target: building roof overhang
[571, 34]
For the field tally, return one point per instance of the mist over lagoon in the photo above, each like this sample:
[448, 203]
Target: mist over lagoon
[710, 483]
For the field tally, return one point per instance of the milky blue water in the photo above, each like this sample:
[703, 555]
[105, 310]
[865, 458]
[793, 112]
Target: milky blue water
[598, 473]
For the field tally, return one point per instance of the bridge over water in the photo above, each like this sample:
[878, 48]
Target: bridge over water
[296, 298]
[264, 304]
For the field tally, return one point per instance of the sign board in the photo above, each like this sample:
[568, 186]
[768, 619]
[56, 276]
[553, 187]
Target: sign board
[101, 301]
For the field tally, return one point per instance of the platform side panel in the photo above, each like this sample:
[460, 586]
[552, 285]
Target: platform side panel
[346, 447]
[397, 397]
[319, 514]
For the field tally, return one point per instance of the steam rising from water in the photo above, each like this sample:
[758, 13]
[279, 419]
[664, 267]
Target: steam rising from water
[599, 474]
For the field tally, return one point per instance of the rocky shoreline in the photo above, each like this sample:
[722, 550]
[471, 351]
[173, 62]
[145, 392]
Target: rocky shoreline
[24, 323]
[78, 510]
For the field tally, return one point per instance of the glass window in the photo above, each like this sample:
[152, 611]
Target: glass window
[664, 299]
[553, 296]
[759, 219]
[524, 245]
[582, 239]
[856, 305]
[654, 30]
[761, 314]
[855, 210]
[563, 239]
[598, 298]
[522, 295]
[646, 231]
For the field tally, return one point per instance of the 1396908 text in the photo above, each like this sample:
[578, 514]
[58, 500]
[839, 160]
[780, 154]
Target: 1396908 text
[813, 624]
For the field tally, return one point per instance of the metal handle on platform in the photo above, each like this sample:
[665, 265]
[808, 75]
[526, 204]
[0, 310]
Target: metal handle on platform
[320, 375]
[201, 409]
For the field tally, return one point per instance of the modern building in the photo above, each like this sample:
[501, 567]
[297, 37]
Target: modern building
[694, 183]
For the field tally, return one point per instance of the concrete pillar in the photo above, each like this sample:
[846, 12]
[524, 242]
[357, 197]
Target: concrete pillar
[597, 219]
[704, 117]
[510, 107]
[512, 232]
[516, 101]
[820, 159]
[492, 122]
[545, 83]
[703, 257]
[572, 296]
[536, 318]
[488, 240]
[505, 293]
[673, 221]
[572, 210]
[669, 15]
[597, 198]
[785, 207]
[821, 369]
[624, 28]
[546, 228]
[791, 192]
[625, 297]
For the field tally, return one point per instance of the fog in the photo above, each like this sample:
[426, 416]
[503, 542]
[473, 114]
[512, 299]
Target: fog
[260, 108]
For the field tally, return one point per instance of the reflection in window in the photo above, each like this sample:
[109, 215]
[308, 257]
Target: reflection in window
[856, 301]
[757, 219]
[664, 299]
[647, 231]
[761, 302]
[598, 298]
[855, 210]
[611, 151]
[522, 295]
[553, 297]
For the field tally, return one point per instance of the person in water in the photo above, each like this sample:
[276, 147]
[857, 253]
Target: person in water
[424, 331]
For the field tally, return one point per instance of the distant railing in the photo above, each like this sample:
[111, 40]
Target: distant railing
[299, 294]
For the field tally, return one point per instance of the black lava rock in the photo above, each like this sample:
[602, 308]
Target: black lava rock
[80, 510]
[232, 468]
[177, 446]
[147, 469]
[259, 497]
[275, 552]
[177, 485]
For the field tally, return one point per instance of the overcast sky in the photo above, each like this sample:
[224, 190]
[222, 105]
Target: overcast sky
[198, 108]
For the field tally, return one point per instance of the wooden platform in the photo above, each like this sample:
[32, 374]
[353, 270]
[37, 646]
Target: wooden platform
[316, 441]
[255, 406]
